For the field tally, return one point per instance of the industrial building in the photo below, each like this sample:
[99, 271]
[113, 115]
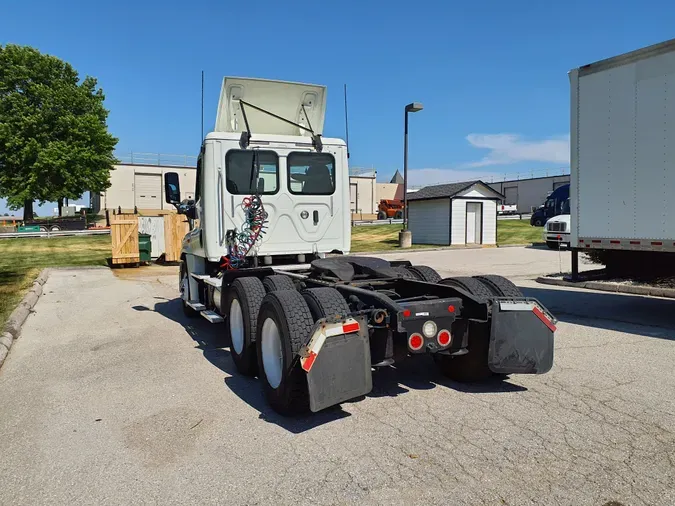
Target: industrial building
[528, 194]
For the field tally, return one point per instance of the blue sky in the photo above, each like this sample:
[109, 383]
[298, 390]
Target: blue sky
[492, 75]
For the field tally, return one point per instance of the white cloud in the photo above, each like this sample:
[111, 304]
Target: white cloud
[506, 149]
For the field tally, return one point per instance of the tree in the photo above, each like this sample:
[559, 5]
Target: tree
[54, 140]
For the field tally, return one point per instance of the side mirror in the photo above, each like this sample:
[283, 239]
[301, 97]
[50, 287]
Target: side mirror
[172, 188]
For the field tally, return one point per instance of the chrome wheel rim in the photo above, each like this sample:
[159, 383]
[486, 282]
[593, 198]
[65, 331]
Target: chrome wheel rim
[272, 356]
[236, 326]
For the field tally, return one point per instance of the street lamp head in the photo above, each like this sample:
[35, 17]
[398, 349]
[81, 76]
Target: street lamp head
[414, 107]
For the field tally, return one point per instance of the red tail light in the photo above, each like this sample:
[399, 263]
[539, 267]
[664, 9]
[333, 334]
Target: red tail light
[348, 328]
[406, 313]
[451, 309]
[444, 338]
[415, 342]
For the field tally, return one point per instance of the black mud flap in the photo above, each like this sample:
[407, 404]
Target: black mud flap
[341, 370]
[521, 338]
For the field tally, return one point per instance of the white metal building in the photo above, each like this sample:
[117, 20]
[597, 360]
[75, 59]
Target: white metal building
[529, 194]
[454, 214]
[142, 187]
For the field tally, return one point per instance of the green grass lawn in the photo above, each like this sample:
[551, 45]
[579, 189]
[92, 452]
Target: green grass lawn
[22, 259]
[517, 232]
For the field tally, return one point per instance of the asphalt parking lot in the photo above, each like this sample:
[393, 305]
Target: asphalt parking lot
[112, 396]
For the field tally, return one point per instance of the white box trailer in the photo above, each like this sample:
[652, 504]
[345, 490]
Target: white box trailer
[623, 152]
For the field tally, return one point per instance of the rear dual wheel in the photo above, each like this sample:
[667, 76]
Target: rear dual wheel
[244, 299]
[473, 366]
[285, 324]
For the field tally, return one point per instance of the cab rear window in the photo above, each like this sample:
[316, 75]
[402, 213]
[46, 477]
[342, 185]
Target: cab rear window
[240, 172]
[311, 173]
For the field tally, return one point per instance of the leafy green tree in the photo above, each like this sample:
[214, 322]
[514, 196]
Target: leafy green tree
[54, 140]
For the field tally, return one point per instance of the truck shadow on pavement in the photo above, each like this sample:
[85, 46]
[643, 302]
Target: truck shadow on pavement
[633, 314]
[418, 373]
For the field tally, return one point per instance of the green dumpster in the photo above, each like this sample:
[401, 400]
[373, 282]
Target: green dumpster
[144, 247]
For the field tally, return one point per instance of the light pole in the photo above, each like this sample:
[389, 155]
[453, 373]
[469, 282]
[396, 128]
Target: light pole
[405, 236]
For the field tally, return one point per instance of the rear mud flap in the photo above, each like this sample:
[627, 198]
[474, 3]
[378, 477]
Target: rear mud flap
[341, 370]
[521, 338]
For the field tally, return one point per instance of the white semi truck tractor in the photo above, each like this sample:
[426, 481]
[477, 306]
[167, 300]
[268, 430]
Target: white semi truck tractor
[267, 258]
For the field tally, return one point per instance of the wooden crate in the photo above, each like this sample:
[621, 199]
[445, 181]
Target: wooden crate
[124, 234]
[175, 228]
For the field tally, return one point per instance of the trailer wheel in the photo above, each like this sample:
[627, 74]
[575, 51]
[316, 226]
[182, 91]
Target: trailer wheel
[424, 273]
[500, 286]
[243, 304]
[184, 286]
[278, 282]
[471, 285]
[381, 215]
[55, 228]
[43, 228]
[474, 365]
[324, 302]
[284, 325]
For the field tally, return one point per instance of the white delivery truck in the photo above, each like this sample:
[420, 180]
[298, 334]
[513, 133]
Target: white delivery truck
[266, 255]
[623, 158]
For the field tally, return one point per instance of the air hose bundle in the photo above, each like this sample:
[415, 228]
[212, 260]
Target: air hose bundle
[242, 242]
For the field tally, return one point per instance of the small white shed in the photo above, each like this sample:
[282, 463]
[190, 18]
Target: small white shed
[452, 214]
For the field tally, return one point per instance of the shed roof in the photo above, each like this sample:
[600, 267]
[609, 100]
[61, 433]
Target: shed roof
[449, 190]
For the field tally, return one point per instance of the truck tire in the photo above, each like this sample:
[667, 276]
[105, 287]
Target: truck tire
[278, 282]
[183, 286]
[553, 245]
[471, 285]
[500, 286]
[404, 272]
[424, 273]
[284, 326]
[244, 298]
[538, 222]
[473, 366]
[381, 215]
[325, 302]
[54, 228]
[398, 215]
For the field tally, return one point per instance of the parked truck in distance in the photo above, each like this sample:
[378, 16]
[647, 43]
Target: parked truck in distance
[552, 206]
[390, 208]
[269, 259]
[623, 159]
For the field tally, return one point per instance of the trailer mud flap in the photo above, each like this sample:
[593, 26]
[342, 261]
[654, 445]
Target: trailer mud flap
[341, 370]
[521, 338]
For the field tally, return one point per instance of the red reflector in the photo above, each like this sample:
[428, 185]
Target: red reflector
[350, 327]
[415, 342]
[443, 338]
[588, 245]
[635, 242]
[309, 361]
[581, 241]
[657, 243]
[543, 318]
[406, 313]
[451, 309]
[615, 242]
[597, 241]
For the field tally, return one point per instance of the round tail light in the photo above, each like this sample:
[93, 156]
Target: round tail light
[415, 342]
[444, 338]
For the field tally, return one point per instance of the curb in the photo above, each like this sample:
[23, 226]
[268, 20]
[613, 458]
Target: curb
[651, 291]
[12, 328]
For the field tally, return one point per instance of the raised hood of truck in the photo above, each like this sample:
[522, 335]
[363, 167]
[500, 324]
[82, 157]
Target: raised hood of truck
[304, 104]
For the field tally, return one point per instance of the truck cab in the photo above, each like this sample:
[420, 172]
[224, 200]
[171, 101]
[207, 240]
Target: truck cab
[553, 206]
